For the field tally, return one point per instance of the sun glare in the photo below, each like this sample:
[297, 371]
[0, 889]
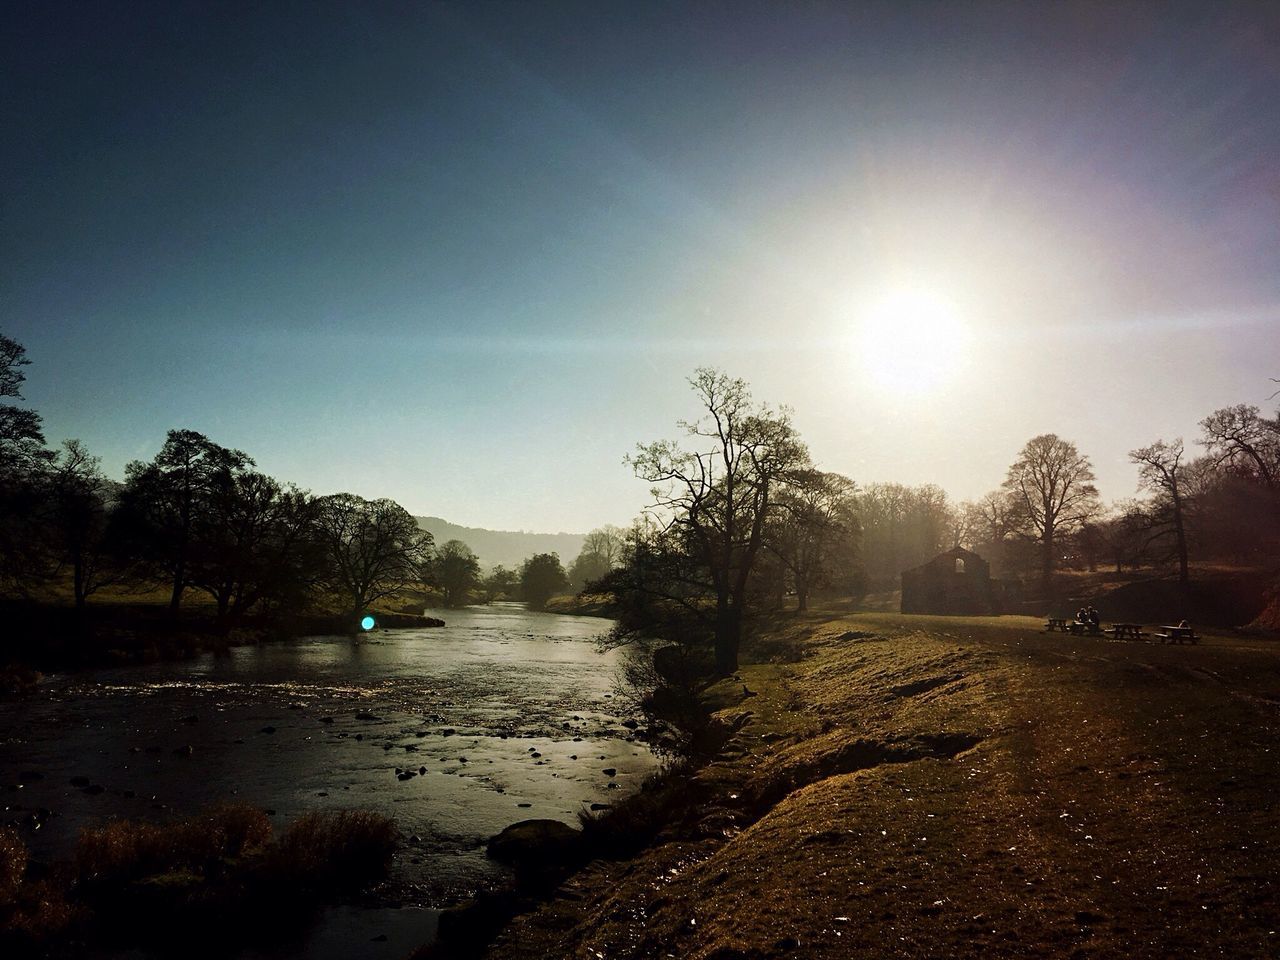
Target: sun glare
[912, 341]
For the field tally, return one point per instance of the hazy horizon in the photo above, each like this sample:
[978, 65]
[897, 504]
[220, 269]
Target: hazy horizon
[465, 255]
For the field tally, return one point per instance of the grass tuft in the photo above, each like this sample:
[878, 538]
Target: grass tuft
[333, 851]
[123, 851]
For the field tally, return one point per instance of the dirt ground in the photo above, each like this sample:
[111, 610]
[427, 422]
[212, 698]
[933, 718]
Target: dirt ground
[959, 787]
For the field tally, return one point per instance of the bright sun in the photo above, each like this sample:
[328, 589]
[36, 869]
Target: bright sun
[912, 341]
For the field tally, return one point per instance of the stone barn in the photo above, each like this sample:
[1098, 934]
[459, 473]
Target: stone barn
[957, 582]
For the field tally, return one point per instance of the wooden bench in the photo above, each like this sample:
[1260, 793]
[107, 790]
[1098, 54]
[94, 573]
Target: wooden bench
[1177, 635]
[1126, 631]
[1080, 627]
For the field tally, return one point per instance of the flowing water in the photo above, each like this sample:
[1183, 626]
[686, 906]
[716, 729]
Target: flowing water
[502, 715]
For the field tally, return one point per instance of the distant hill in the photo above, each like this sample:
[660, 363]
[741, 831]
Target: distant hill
[506, 547]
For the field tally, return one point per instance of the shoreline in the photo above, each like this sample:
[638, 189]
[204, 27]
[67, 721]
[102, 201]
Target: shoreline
[114, 635]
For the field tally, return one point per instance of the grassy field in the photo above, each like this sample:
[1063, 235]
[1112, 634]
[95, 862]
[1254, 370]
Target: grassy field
[921, 786]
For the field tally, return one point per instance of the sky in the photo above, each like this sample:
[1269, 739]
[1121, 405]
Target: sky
[467, 255]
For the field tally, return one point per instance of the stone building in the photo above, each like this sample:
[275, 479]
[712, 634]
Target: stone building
[957, 582]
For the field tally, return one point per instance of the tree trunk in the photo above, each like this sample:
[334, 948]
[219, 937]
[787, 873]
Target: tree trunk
[1180, 534]
[176, 597]
[223, 624]
[802, 598]
[728, 637]
[1046, 566]
[77, 577]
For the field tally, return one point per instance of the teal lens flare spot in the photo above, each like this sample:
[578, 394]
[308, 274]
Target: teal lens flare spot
[367, 623]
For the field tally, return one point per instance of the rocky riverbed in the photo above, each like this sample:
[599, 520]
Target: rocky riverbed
[454, 732]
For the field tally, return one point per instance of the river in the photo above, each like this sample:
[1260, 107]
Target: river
[509, 712]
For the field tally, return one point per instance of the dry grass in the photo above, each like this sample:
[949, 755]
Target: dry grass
[1120, 804]
[217, 875]
[31, 911]
[123, 851]
[340, 850]
[13, 863]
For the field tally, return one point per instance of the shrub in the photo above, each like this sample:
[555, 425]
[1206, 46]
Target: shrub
[29, 911]
[13, 863]
[333, 850]
[123, 850]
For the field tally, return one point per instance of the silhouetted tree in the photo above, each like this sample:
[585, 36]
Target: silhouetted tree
[251, 541]
[1240, 435]
[454, 569]
[163, 500]
[24, 465]
[502, 582]
[901, 527]
[541, 578]
[79, 511]
[1125, 534]
[814, 531]
[371, 548]
[1052, 485]
[1161, 471]
[715, 498]
[601, 550]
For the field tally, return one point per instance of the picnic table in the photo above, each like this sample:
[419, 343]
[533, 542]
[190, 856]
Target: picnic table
[1076, 627]
[1177, 635]
[1127, 631]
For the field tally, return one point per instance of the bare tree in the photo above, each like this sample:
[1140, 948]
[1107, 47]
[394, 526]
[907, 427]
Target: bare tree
[372, 548]
[814, 530]
[79, 495]
[24, 463]
[1125, 533]
[901, 527]
[251, 542]
[601, 552]
[606, 543]
[455, 570]
[714, 497]
[163, 500]
[1160, 470]
[1051, 484]
[1241, 436]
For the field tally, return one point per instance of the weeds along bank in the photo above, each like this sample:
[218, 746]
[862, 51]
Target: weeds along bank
[219, 878]
[910, 786]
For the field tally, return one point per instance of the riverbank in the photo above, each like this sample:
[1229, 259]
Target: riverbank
[56, 637]
[927, 786]
[582, 605]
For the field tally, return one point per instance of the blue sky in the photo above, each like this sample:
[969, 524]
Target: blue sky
[464, 255]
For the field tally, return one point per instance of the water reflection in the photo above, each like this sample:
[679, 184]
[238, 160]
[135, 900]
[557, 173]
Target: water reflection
[328, 722]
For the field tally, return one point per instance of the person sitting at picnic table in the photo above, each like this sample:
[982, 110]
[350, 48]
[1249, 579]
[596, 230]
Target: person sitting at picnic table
[1082, 615]
[1092, 617]
[1184, 625]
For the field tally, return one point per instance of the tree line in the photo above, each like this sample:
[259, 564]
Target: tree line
[202, 517]
[741, 518]
[741, 521]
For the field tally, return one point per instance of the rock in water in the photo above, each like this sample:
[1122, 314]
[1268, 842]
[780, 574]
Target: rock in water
[535, 843]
